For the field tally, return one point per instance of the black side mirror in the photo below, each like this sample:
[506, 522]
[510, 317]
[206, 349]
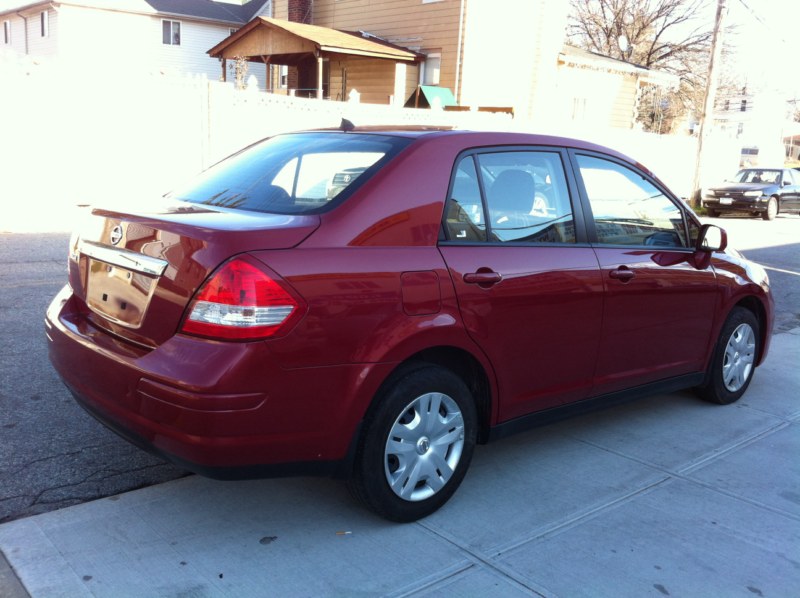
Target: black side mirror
[711, 238]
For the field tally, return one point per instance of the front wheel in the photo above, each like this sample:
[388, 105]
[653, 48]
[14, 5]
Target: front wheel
[416, 445]
[713, 213]
[772, 209]
[734, 359]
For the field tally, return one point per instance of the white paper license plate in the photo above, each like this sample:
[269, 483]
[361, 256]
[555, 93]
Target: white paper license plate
[726, 201]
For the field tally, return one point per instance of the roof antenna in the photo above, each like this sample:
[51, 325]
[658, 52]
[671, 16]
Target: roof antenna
[346, 125]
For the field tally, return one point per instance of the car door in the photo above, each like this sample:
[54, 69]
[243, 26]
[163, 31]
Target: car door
[528, 284]
[659, 307]
[790, 196]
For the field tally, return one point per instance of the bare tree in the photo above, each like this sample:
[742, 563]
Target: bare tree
[669, 35]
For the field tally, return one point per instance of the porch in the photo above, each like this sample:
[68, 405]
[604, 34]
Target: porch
[323, 63]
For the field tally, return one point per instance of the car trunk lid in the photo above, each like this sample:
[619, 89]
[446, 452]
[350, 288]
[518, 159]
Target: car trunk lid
[134, 272]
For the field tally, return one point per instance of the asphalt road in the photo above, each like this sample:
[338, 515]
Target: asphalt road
[52, 454]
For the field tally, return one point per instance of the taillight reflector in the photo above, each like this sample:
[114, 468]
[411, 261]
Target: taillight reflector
[240, 302]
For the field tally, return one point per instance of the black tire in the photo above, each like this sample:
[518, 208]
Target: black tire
[772, 209]
[713, 213]
[734, 360]
[421, 395]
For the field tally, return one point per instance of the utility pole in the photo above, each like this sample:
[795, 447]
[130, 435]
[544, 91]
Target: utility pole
[710, 96]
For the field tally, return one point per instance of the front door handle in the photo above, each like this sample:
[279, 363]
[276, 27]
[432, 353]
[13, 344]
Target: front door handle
[623, 274]
[483, 278]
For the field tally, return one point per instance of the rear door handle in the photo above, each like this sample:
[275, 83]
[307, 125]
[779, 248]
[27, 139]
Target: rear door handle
[483, 278]
[623, 274]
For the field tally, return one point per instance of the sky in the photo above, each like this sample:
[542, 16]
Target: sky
[766, 43]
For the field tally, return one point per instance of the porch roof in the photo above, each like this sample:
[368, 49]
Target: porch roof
[580, 58]
[287, 42]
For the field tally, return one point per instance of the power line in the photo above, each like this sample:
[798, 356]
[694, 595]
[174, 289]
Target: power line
[760, 20]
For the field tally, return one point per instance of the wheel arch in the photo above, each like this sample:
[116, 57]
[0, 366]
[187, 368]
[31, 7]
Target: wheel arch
[464, 365]
[755, 306]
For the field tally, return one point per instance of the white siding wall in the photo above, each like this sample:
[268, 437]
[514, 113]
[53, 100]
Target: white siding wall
[265, 12]
[37, 45]
[508, 46]
[190, 55]
[43, 46]
[109, 42]
[17, 34]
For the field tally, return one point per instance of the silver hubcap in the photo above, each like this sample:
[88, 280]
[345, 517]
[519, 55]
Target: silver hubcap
[739, 357]
[424, 447]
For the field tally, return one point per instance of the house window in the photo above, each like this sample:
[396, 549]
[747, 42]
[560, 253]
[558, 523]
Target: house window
[44, 20]
[6, 32]
[431, 68]
[171, 33]
[231, 31]
[744, 105]
[740, 129]
[284, 76]
[727, 104]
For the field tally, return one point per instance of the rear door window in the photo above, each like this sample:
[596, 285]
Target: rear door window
[510, 197]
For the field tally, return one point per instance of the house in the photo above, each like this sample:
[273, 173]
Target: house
[121, 37]
[757, 121]
[504, 54]
[487, 54]
[599, 90]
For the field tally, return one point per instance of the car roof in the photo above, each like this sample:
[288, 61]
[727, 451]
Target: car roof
[481, 138]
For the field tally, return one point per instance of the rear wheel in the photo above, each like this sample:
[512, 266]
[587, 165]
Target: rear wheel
[416, 445]
[772, 209]
[734, 359]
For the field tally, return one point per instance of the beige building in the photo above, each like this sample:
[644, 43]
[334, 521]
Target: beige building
[592, 89]
[494, 53]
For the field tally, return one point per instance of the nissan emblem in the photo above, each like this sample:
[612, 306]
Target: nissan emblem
[116, 235]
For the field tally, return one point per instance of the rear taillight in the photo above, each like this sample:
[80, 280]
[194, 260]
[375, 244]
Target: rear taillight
[241, 301]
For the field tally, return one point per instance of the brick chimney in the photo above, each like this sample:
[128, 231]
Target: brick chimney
[300, 11]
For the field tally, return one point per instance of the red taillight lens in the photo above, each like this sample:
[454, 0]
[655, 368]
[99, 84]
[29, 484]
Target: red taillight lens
[241, 301]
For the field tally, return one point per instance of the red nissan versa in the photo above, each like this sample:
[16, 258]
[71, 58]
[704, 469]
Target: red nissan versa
[371, 304]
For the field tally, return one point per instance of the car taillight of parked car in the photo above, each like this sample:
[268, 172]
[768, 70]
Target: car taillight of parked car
[241, 301]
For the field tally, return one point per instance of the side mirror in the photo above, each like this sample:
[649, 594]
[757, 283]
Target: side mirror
[711, 238]
[786, 183]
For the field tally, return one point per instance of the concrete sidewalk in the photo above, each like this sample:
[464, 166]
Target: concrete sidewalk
[668, 496]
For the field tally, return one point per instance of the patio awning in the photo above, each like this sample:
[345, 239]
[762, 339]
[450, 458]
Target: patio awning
[287, 42]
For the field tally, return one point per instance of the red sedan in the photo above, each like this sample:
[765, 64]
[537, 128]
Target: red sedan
[371, 304]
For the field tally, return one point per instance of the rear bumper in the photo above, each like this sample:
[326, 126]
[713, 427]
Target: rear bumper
[224, 410]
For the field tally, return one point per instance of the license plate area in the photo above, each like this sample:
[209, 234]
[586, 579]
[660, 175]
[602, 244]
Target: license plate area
[726, 201]
[118, 294]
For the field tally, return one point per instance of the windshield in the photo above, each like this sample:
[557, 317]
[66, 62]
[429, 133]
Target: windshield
[292, 174]
[770, 177]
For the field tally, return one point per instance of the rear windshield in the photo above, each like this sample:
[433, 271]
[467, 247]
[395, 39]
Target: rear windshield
[293, 174]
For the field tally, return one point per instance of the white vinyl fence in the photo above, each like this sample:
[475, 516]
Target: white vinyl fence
[78, 138]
